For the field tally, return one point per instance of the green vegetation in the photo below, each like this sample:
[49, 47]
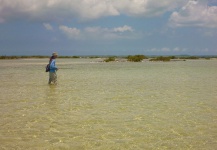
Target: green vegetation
[136, 58]
[22, 57]
[7, 57]
[161, 58]
[190, 57]
[131, 58]
[94, 57]
[172, 57]
[38, 56]
[168, 58]
[69, 57]
[109, 59]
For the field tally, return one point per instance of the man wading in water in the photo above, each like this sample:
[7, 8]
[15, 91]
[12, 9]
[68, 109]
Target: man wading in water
[53, 69]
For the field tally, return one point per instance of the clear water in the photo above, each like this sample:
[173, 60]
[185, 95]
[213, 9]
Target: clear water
[104, 106]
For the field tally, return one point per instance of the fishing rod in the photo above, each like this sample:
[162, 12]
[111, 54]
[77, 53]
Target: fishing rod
[64, 68]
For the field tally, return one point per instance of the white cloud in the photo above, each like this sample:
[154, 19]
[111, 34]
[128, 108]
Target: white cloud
[48, 26]
[206, 50]
[73, 33]
[146, 8]
[195, 14]
[46, 10]
[123, 29]
[167, 50]
[55, 9]
[99, 33]
[93, 9]
[177, 49]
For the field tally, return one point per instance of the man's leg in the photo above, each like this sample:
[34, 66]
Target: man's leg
[50, 78]
[54, 78]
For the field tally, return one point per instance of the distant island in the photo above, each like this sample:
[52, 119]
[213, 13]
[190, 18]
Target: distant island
[129, 58]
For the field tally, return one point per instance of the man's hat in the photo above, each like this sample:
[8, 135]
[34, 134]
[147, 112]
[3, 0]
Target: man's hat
[54, 54]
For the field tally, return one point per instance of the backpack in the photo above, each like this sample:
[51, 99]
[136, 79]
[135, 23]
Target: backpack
[47, 68]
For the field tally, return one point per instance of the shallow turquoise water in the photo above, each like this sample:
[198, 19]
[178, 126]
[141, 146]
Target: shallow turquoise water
[118, 105]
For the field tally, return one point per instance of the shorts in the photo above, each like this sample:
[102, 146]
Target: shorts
[52, 78]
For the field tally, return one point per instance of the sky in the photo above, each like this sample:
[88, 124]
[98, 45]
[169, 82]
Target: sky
[108, 27]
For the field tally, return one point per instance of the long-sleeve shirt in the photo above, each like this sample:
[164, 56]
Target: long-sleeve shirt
[53, 66]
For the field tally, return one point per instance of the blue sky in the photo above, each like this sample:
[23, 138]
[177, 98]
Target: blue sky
[108, 27]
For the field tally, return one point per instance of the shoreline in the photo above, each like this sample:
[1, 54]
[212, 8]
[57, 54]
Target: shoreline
[117, 60]
[172, 57]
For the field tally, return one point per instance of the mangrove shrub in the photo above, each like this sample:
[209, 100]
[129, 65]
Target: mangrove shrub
[109, 59]
[161, 58]
[136, 58]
